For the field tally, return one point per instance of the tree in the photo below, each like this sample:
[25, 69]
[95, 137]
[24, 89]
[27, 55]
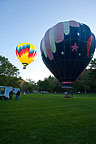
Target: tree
[92, 75]
[7, 69]
[43, 85]
[50, 84]
[8, 73]
[30, 85]
[87, 81]
[92, 64]
[82, 84]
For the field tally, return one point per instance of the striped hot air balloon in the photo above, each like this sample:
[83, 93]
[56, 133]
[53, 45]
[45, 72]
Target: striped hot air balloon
[26, 53]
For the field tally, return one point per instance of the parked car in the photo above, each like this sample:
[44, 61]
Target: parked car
[45, 92]
[4, 92]
[15, 90]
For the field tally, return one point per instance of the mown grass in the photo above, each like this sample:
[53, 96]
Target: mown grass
[48, 119]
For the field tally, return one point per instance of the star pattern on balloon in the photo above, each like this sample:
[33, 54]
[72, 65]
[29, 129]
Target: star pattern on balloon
[74, 47]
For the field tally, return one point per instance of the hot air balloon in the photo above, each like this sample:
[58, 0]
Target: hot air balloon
[67, 49]
[26, 53]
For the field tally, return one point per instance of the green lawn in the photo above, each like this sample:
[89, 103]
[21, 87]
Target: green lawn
[48, 119]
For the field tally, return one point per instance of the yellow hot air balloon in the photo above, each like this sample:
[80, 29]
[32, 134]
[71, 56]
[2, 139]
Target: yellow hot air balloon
[26, 53]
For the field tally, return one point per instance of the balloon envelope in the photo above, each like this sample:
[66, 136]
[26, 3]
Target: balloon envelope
[67, 49]
[26, 53]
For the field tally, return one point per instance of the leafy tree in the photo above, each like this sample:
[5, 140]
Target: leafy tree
[49, 84]
[7, 69]
[30, 85]
[87, 81]
[30, 81]
[9, 73]
[92, 75]
[43, 85]
[82, 84]
[92, 64]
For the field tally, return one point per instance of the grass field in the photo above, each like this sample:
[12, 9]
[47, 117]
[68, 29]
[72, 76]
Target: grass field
[48, 119]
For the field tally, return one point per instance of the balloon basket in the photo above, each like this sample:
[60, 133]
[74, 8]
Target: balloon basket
[68, 94]
[24, 67]
[68, 90]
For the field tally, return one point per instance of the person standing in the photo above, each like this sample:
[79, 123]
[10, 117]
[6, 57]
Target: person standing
[17, 95]
[10, 95]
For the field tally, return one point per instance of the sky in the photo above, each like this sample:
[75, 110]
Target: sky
[28, 20]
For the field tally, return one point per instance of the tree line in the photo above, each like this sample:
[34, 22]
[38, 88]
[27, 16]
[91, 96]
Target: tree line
[10, 76]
